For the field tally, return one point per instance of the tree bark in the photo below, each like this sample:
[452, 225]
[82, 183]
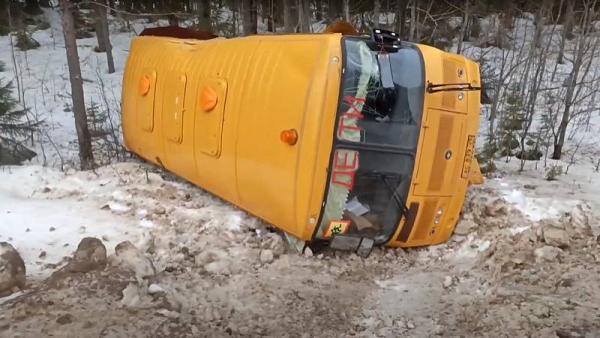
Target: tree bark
[86, 156]
[413, 20]
[335, 10]
[347, 11]
[304, 15]
[249, 17]
[288, 17]
[103, 33]
[376, 13]
[571, 96]
[204, 21]
[463, 28]
[567, 31]
[401, 17]
[319, 10]
[99, 26]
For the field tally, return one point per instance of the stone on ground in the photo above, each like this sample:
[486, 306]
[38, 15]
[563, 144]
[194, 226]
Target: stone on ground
[90, 255]
[12, 270]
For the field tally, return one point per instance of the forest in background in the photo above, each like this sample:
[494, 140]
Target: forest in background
[539, 59]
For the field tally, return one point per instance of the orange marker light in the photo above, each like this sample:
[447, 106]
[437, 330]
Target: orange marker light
[144, 86]
[289, 136]
[208, 99]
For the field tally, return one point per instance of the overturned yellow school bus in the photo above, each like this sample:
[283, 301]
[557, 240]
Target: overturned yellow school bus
[349, 140]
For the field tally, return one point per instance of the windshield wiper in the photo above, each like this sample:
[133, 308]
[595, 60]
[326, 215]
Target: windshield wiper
[395, 196]
[450, 87]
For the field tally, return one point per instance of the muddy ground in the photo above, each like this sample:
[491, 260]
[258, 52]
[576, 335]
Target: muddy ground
[501, 275]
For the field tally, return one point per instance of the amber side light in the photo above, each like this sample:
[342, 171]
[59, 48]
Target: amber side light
[289, 136]
[144, 86]
[208, 99]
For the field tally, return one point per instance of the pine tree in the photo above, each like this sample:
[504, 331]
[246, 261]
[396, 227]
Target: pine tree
[13, 129]
[511, 124]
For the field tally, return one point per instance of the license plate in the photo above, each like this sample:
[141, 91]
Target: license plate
[469, 153]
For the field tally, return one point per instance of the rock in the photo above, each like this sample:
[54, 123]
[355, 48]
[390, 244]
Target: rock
[410, 325]
[540, 310]
[131, 296]
[12, 270]
[275, 243]
[220, 267]
[160, 210]
[556, 237]
[465, 227]
[308, 252]
[496, 208]
[448, 282]
[90, 255]
[213, 261]
[266, 256]
[579, 216]
[168, 314]
[135, 260]
[65, 319]
[155, 289]
[547, 253]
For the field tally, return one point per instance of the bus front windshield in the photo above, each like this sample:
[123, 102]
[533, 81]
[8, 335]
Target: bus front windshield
[377, 131]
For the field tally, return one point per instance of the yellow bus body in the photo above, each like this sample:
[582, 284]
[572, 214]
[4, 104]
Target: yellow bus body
[261, 86]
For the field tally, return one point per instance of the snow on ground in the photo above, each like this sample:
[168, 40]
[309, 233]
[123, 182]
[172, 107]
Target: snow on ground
[43, 73]
[45, 230]
[221, 272]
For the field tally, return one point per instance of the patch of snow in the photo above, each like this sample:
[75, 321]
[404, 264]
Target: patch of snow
[54, 227]
[539, 208]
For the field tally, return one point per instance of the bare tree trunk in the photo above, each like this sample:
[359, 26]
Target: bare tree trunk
[463, 28]
[566, 31]
[86, 156]
[347, 11]
[103, 34]
[413, 20]
[271, 17]
[319, 10]
[401, 17]
[99, 26]
[581, 48]
[304, 15]
[288, 21]
[376, 13]
[249, 17]
[12, 51]
[335, 9]
[204, 21]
